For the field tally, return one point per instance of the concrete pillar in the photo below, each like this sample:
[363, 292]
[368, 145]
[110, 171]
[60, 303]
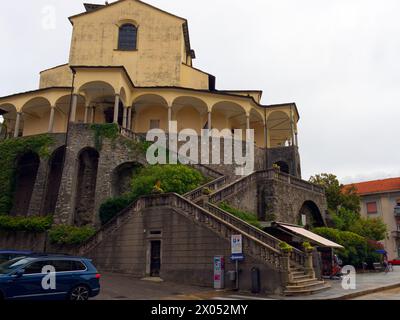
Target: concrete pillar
[92, 114]
[116, 108]
[169, 116]
[125, 118]
[129, 124]
[51, 120]
[74, 103]
[17, 124]
[86, 119]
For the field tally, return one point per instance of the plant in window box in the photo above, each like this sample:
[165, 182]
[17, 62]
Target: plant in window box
[307, 246]
[207, 191]
[285, 248]
[276, 167]
[157, 188]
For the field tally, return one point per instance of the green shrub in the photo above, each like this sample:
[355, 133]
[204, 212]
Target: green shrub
[112, 207]
[356, 248]
[9, 151]
[173, 178]
[285, 247]
[70, 235]
[246, 216]
[29, 224]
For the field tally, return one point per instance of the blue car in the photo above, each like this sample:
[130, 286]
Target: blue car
[6, 255]
[48, 277]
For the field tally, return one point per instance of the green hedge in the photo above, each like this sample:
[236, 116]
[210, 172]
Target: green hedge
[29, 224]
[356, 248]
[112, 207]
[70, 235]
[9, 151]
[246, 216]
[153, 179]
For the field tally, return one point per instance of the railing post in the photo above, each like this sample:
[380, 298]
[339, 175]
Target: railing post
[309, 264]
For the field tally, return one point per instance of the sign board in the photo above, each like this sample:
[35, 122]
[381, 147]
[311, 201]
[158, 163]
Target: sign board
[303, 220]
[237, 244]
[237, 257]
[219, 272]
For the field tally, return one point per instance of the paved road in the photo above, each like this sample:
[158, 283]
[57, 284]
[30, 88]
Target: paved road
[125, 287]
[393, 294]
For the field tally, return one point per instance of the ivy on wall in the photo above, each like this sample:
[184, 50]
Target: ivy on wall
[28, 224]
[70, 235]
[9, 152]
[102, 131]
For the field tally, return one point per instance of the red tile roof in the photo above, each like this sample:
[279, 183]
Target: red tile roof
[376, 186]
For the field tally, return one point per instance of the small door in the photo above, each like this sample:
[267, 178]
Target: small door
[155, 259]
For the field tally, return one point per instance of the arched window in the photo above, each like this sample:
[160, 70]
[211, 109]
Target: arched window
[127, 37]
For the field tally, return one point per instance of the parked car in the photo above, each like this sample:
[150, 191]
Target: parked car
[395, 262]
[6, 255]
[75, 278]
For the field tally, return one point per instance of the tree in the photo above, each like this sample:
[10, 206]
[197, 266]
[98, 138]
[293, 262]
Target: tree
[371, 228]
[336, 195]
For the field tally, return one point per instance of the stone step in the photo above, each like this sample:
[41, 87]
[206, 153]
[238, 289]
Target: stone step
[304, 292]
[302, 282]
[305, 286]
[297, 273]
[301, 277]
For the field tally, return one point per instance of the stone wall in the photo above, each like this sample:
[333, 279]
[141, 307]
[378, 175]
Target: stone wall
[23, 241]
[111, 155]
[187, 251]
[282, 201]
[289, 155]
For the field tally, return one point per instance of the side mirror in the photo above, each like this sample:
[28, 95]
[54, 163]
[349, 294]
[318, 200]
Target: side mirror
[19, 273]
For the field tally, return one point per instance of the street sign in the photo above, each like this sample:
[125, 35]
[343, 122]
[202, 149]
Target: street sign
[236, 244]
[237, 257]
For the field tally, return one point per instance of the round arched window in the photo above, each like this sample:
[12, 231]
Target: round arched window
[127, 39]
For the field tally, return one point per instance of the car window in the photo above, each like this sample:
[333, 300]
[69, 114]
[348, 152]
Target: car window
[62, 265]
[10, 266]
[36, 267]
[78, 266]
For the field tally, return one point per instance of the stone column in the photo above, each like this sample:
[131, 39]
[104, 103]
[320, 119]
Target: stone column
[86, 119]
[309, 263]
[92, 114]
[51, 120]
[129, 124]
[292, 125]
[17, 124]
[116, 108]
[74, 103]
[169, 116]
[209, 121]
[247, 122]
[125, 118]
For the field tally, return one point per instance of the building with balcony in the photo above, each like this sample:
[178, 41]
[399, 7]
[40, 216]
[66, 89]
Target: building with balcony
[381, 198]
[131, 65]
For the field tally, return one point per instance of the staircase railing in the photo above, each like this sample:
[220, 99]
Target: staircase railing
[296, 256]
[253, 246]
[212, 186]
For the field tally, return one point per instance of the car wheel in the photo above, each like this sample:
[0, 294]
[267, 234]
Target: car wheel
[79, 293]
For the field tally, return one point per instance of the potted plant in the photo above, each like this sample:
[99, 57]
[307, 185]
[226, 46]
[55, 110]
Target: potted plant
[307, 246]
[285, 247]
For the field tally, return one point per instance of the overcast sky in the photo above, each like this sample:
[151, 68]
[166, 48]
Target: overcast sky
[339, 60]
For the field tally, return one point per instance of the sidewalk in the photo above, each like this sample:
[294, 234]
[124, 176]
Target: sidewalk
[366, 283]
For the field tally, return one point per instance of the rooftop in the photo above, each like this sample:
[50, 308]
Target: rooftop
[376, 186]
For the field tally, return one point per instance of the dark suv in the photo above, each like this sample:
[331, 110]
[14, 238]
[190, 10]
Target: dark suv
[49, 277]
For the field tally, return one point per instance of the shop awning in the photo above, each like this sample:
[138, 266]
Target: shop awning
[309, 235]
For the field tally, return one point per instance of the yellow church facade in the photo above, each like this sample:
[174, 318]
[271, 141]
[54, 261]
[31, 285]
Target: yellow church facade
[132, 64]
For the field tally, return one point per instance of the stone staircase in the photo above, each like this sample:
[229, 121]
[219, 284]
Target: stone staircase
[200, 207]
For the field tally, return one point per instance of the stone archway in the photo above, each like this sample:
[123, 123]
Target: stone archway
[88, 162]
[54, 176]
[312, 213]
[26, 172]
[122, 177]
